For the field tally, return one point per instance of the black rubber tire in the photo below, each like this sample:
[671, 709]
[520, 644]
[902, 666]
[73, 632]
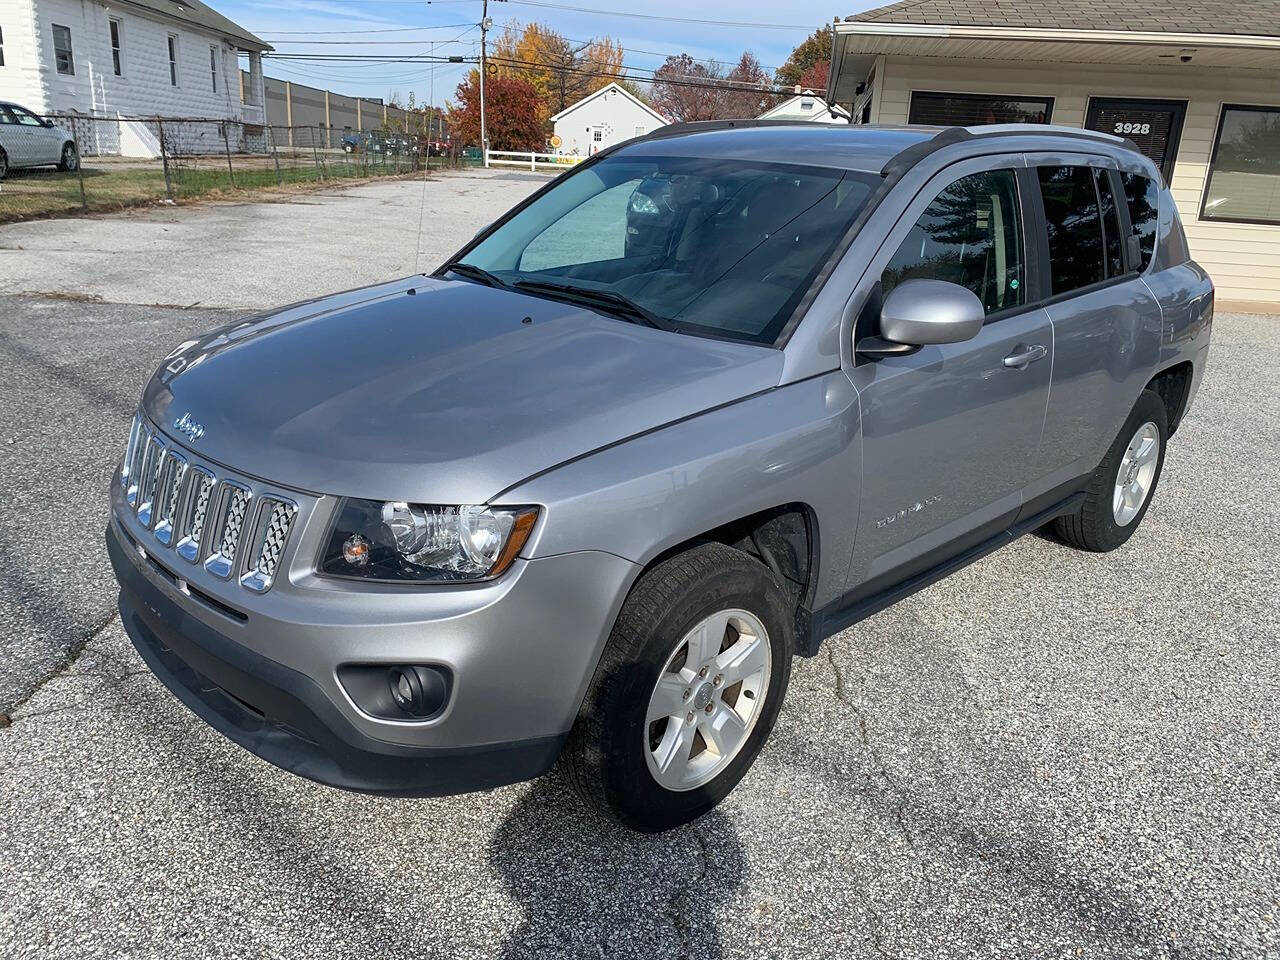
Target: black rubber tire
[65, 165]
[604, 756]
[1093, 527]
[4, 164]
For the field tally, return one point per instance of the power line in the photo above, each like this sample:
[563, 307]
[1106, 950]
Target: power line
[343, 33]
[658, 17]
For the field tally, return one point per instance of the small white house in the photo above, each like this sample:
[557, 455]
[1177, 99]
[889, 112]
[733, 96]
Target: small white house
[127, 59]
[805, 105]
[601, 119]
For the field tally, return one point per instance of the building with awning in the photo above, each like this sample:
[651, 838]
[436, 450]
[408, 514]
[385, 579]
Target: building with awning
[1195, 84]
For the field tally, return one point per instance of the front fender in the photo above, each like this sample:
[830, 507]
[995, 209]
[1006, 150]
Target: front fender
[798, 443]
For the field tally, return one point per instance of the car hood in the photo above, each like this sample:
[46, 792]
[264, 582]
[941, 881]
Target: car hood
[436, 391]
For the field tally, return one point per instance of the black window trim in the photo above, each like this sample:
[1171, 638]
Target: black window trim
[1213, 162]
[1049, 101]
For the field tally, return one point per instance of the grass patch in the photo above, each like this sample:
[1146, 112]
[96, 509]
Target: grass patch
[115, 185]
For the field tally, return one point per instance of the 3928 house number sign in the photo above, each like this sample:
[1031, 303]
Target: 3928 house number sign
[1127, 126]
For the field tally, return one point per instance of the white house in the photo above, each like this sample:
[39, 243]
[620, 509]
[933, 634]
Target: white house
[601, 119]
[805, 105]
[1195, 85]
[127, 59]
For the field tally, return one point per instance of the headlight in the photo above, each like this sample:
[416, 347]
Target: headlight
[418, 543]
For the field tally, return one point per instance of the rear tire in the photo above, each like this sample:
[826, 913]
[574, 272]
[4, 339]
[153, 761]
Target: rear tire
[724, 600]
[1121, 489]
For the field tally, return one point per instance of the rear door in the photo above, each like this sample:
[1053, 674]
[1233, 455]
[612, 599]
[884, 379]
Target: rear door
[1106, 323]
[950, 431]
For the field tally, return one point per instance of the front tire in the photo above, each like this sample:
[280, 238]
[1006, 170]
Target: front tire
[4, 164]
[687, 690]
[70, 161]
[1121, 489]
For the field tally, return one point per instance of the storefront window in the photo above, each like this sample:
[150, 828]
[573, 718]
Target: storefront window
[1244, 174]
[968, 109]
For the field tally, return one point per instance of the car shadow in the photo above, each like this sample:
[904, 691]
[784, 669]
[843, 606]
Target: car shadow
[591, 888]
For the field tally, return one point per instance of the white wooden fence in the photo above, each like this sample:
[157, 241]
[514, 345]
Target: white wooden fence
[515, 158]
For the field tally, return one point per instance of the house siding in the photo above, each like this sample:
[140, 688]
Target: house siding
[30, 76]
[613, 111]
[1240, 257]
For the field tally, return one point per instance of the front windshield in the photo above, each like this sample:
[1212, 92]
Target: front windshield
[710, 246]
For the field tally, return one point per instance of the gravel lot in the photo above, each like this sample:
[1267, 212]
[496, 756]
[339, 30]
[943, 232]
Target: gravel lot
[1049, 754]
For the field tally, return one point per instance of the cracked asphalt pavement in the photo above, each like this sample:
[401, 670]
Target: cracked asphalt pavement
[1048, 754]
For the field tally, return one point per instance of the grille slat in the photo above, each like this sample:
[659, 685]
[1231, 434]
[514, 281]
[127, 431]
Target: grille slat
[275, 521]
[233, 505]
[152, 464]
[169, 495]
[196, 508]
[202, 516]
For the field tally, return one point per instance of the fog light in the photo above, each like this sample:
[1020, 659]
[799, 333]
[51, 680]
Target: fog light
[399, 692]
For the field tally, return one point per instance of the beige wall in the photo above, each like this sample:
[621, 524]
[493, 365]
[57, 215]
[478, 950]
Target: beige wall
[1242, 258]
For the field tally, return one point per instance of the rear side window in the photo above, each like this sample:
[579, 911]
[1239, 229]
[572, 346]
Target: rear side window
[1076, 257]
[1143, 196]
[971, 234]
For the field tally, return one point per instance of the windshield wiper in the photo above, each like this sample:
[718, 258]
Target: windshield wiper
[606, 300]
[472, 272]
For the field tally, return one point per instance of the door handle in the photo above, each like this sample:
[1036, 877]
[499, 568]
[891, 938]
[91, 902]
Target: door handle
[1024, 355]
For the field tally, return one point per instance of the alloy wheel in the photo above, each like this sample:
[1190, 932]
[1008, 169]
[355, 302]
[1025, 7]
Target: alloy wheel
[707, 699]
[1136, 474]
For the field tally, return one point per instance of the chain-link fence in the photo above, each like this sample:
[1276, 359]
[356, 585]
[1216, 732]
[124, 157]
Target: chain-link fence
[69, 163]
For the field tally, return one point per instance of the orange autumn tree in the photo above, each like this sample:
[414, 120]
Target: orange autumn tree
[562, 71]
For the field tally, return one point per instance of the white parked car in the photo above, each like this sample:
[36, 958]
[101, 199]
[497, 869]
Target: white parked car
[28, 141]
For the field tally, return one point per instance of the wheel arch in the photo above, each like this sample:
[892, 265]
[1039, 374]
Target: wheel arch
[784, 538]
[1173, 386]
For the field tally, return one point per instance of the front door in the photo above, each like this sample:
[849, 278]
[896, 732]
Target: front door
[1154, 126]
[38, 144]
[949, 433]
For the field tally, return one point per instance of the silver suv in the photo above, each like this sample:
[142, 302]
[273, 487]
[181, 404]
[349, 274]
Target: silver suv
[691, 408]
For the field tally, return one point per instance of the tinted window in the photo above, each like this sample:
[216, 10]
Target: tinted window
[968, 110]
[971, 234]
[725, 247]
[1244, 175]
[1143, 197]
[1110, 223]
[1074, 226]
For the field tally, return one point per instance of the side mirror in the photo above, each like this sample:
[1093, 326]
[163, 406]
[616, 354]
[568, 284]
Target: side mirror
[46, 123]
[919, 312]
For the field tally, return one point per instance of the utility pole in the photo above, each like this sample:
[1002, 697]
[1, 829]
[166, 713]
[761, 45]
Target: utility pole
[431, 107]
[484, 130]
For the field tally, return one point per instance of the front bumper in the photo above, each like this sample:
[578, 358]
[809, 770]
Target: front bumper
[506, 719]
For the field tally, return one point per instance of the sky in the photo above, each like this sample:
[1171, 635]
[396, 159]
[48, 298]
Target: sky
[648, 31]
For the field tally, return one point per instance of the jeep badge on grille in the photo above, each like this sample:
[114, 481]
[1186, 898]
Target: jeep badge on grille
[189, 428]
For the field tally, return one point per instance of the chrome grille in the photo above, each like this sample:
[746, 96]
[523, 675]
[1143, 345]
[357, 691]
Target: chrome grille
[275, 520]
[204, 517]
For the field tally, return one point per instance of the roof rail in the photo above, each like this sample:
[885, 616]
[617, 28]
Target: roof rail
[903, 161]
[704, 126]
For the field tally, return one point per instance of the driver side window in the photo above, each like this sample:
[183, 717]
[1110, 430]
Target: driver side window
[592, 232]
[971, 235]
